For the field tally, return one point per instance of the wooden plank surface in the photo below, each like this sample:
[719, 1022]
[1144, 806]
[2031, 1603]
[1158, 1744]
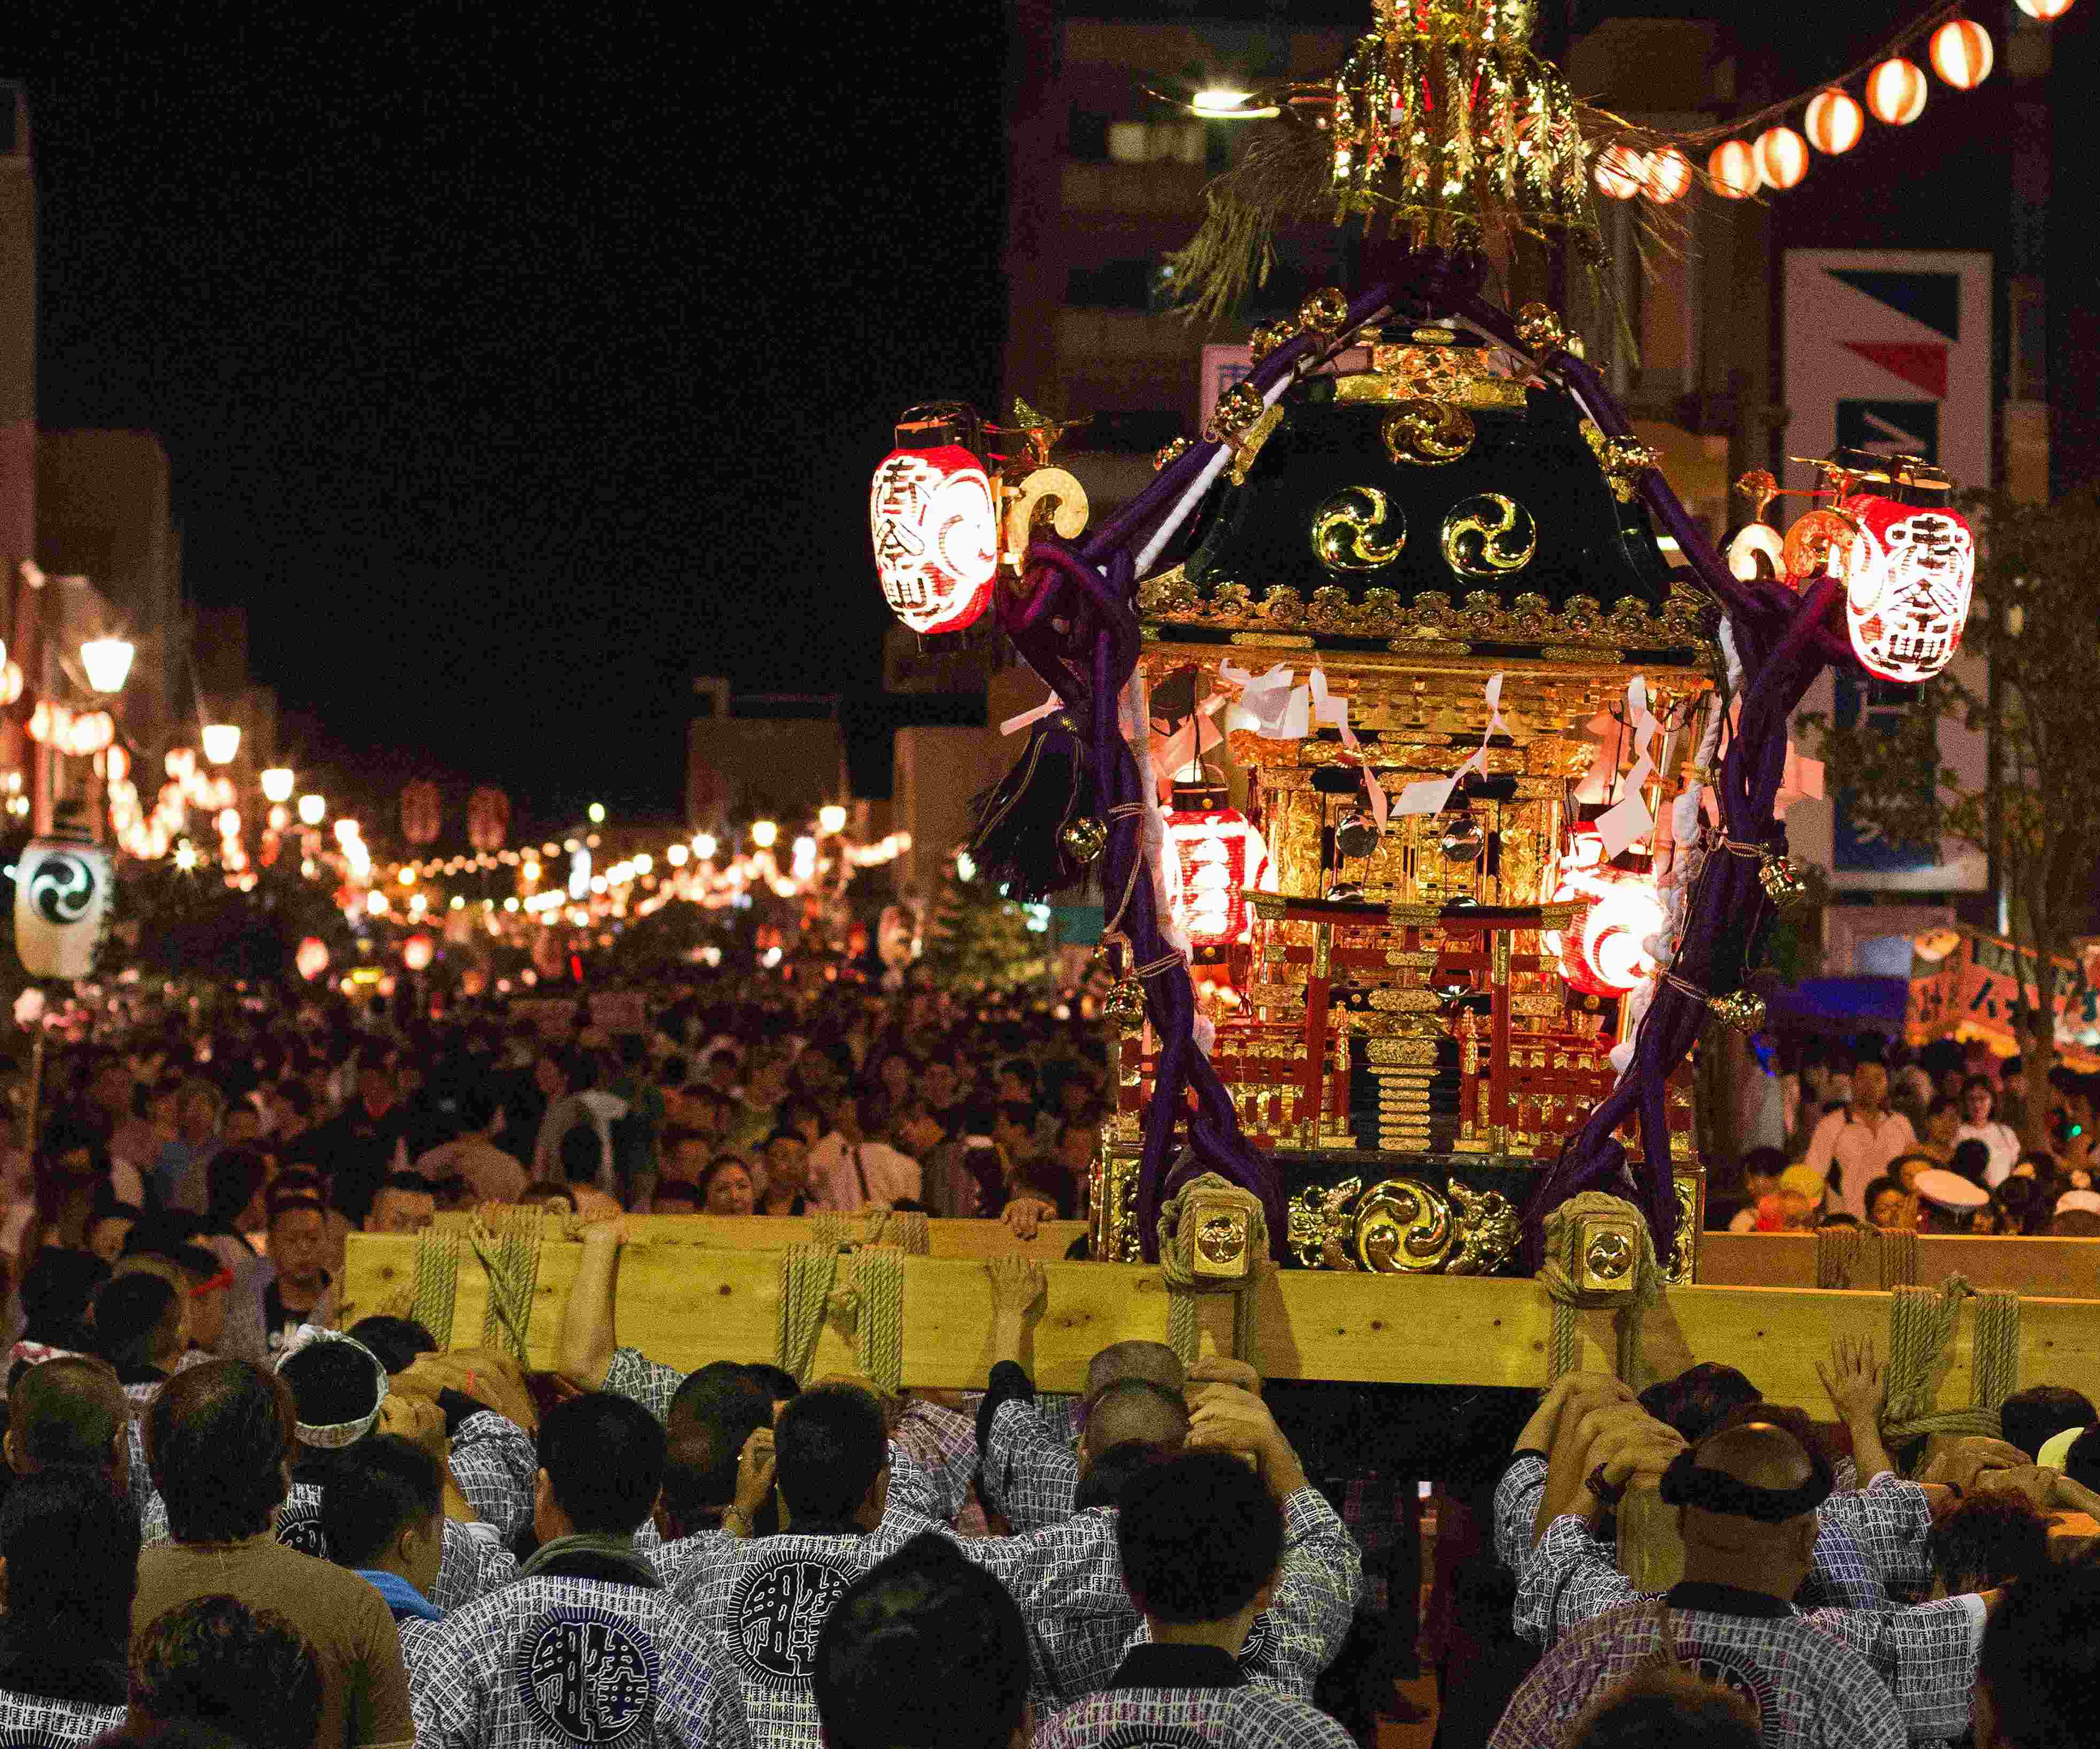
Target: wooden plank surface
[2066, 1269]
[944, 1238]
[687, 1304]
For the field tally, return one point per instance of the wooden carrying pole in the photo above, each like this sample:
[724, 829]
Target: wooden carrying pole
[686, 1305]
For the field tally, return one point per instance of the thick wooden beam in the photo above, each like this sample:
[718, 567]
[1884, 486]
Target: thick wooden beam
[686, 1305]
[944, 1238]
[2068, 1269]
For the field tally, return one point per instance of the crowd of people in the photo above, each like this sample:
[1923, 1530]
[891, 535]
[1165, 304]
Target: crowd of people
[1927, 1141]
[236, 1512]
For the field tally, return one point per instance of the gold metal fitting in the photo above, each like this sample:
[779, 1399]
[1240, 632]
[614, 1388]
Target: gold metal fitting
[1234, 415]
[1324, 312]
[1739, 1008]
[1540, 327]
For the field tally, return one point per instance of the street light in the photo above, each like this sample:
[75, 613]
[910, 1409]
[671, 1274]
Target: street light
[597, 813]
[221, 742]
[763, 833]
[277, 784]
[108, 661]
[703, 846]
[313, 809]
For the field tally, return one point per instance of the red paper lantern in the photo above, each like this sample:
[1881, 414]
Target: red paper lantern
[1961, 54]
[936, 533]
[1603, 951]
[2044, 9]
[311, 958]
[1212, 855]
[416, 952]
[1895, 92]
[1834, 122]
[422, 811]
[1909, 576]
[1782, 157]
[1669, 176]
[1620, 172]
[1731, 167]
[487, 818]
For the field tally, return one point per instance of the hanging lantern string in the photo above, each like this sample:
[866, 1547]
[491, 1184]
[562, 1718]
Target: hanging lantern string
[1923, 26]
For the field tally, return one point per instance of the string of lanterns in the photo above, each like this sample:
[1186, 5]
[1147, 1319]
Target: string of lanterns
[1895, 90]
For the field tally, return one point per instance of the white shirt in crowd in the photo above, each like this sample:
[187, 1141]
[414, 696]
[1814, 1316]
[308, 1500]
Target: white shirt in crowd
[854, 1175]
[2003, 1142]
[1862, 1150]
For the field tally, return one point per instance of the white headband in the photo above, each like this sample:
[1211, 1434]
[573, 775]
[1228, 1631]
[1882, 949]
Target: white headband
[342, 1433]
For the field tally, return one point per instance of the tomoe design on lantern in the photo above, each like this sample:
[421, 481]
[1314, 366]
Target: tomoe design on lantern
[935, 534]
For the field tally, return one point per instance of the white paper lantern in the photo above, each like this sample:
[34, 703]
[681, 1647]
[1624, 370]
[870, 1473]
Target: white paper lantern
[1620, 172]
[1731, 167]
[1669, 176]
[62, 892]
[1782, 157]
[1896, 92]
[1834, 122]
[1961, 54]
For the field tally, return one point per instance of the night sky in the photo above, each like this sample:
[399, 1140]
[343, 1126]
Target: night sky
[517, 363]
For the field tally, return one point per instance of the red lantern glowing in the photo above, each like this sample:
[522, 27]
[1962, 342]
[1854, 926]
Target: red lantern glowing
[1603, 951]
[1669, 176]
[422, 811]
[1731, 167]
[1834, 122]
[1212, 855]
[312, 958]
[936, 533]
[416, 952]
[1961, 54]
[1782, 157]
[487, 818]
[1895, 92]
[1620, 172]
[1908, 577]
[2044, 9]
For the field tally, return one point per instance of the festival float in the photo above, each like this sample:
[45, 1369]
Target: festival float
[1422, 747]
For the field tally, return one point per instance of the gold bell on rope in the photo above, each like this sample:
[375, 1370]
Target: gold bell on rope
[1084, 839]
[1783, 881]
[1743, 1009]
[1125, 1005]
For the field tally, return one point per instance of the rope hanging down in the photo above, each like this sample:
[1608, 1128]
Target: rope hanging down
[1922, 1326]
[807, 1273]
[509, 1253]
[436, 1282]
[869, 1307]
[1839, 1262]
[1206, 1228]
[1568, 1230]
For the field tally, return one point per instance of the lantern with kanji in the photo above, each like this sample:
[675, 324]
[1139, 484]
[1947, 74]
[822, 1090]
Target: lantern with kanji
[487, 818]
[422, 811]
[1909, 575]
[934, 519]
[1603, 950]
[1213, 855]
[63, 886]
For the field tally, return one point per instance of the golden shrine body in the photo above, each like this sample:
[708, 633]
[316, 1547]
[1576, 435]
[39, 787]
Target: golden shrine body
[1394, 1026]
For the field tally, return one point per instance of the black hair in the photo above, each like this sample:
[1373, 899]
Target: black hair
[674, 1190]
[1769, 1162]
[2040, 1659]
[216, 1438]
[1199, 1534]
[129, 1312]
[714, 1168]
[56, 1291]
[377, 1488]
[1696, 1401]
[1971, 1159]
[231, 1179]
[603, 1455]
[779, 1384]
[217, 1660]
[1017, 1112]
[2031, 1418]
[2082, 1462]
[713, 1414]
[829, 1445]
[397, 1341]
[331, 1382]
[69, 1410]
[1988, 1539]
[1665, 1705]
[408, 1183]
[582, 1154]
[71, 1543]
[924, 1650]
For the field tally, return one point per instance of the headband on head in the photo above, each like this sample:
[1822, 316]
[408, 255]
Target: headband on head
[342, 1433]
[1684, 1483]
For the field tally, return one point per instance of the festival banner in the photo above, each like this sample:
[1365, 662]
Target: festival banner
[1889, 351]
[1973, 993]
